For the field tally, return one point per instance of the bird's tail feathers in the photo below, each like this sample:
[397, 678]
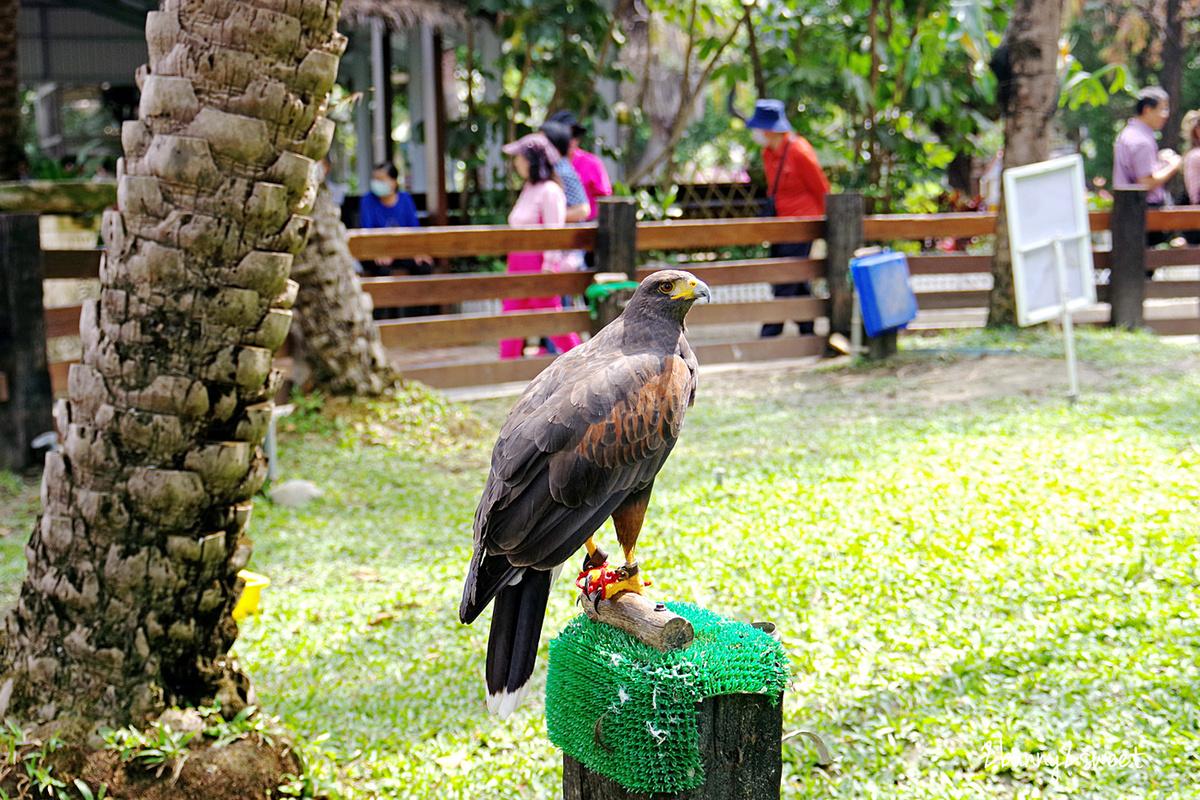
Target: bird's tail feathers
[517, 617]
[486, 576]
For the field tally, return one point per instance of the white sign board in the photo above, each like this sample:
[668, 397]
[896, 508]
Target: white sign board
[1046, 205]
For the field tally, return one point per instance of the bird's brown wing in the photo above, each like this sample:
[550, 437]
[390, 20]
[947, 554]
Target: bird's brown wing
[576, 446]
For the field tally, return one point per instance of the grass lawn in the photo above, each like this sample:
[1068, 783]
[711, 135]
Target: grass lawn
[983, 591]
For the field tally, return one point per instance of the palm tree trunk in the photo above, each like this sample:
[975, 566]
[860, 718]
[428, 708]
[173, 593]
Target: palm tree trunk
[1028, 125]
[340, 343]
[133, 567]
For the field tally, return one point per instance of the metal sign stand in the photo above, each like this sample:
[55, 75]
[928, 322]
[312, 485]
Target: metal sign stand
[1048, 230]
[1064, 310]
[1060, 263]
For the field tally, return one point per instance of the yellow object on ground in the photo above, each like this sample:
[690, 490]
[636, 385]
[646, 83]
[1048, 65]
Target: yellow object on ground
[248, 602]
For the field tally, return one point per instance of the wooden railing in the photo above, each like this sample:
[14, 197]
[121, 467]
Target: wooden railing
[1171, 310]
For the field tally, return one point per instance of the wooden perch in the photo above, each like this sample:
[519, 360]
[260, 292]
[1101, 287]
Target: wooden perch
[643, 619]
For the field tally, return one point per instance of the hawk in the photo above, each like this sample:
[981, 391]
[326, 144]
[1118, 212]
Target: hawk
[583, 442]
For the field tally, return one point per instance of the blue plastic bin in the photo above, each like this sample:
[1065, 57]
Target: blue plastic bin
[884, 294]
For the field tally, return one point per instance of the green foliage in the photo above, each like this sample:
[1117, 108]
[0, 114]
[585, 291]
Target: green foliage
[658, 204]
[1115, 49]
[157, 747]
[25, 764]
[19, 506]
[558, 46]
[888, 113]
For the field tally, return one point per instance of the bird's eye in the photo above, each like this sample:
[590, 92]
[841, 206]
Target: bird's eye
[666, 287]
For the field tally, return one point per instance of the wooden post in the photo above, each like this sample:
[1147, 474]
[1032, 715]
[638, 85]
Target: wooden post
[643, 619]
[441, 214]
[880, 347]
[843, 235]
[616, 236]
[741, 748]
[1127, 276]
[26, 411]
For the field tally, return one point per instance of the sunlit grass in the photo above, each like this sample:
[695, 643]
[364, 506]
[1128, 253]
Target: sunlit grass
[991, 599]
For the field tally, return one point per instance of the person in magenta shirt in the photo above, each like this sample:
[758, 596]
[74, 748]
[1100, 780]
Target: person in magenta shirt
[588, 165]
[541, 202]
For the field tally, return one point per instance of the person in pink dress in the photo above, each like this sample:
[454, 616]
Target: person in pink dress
[541, 202]
[1191, 156]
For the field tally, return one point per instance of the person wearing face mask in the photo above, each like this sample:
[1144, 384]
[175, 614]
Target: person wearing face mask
[388, 207]
[796, 187]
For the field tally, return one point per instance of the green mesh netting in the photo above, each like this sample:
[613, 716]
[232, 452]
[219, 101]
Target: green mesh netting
[596, 293]
[641, 704]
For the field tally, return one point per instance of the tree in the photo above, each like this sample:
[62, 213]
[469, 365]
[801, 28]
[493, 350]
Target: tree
[1129, 45]
[676, 49]
[133, 566]
[1033, 54]
[891, 91]
[339, 342]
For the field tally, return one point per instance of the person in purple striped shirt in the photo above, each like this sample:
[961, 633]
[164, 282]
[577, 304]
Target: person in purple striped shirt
[1137, 161]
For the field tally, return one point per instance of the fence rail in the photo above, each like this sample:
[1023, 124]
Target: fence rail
[1170, 305]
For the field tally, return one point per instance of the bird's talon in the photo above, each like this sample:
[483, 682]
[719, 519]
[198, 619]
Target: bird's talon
[594, 560]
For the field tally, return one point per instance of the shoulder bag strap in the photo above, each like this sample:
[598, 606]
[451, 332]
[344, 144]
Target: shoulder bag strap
[778, 172]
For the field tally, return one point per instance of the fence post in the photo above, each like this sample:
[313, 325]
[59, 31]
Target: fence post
[1127, 275]
[843, 235]
[616, 251]
[26, 399]
[616, 236]
[741, 749]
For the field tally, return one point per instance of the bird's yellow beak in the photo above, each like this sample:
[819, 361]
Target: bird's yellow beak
[692, 289]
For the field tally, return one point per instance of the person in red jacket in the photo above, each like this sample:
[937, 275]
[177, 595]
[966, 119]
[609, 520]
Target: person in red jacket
[797, 185]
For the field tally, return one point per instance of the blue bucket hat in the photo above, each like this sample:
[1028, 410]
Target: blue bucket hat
[769, 115]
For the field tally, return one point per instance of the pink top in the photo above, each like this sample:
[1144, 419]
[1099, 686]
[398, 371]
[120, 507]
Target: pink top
[594, 177]
[1191, 174]
[538, 204]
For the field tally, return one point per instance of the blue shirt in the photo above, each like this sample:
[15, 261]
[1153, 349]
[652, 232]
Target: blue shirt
[372, 213]
[572, 186]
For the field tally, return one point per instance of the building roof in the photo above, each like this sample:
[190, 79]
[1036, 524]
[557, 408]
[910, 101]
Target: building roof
[398, 14]
[401, 14]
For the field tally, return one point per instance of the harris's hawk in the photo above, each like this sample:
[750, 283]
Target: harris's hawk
[583, 443]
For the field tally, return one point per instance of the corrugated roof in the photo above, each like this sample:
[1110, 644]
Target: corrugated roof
[401, 14]
[398, 14]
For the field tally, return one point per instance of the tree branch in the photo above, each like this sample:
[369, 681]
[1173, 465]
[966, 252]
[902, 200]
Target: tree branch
[680, 126]
[585, 106]
[516, 103]
[760, 81]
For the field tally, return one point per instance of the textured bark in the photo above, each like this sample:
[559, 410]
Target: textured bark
[340, 343]
[10, 100]
[1028, 125]
[1174, 60]
[133, 566]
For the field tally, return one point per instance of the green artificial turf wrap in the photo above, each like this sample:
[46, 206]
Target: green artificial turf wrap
[628, 712]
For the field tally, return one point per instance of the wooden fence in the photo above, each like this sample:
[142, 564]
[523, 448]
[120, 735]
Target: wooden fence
[458, 349]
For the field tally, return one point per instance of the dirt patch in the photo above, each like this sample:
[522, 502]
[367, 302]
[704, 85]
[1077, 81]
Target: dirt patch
[242, 769]
[923, 379]
[938, 381]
